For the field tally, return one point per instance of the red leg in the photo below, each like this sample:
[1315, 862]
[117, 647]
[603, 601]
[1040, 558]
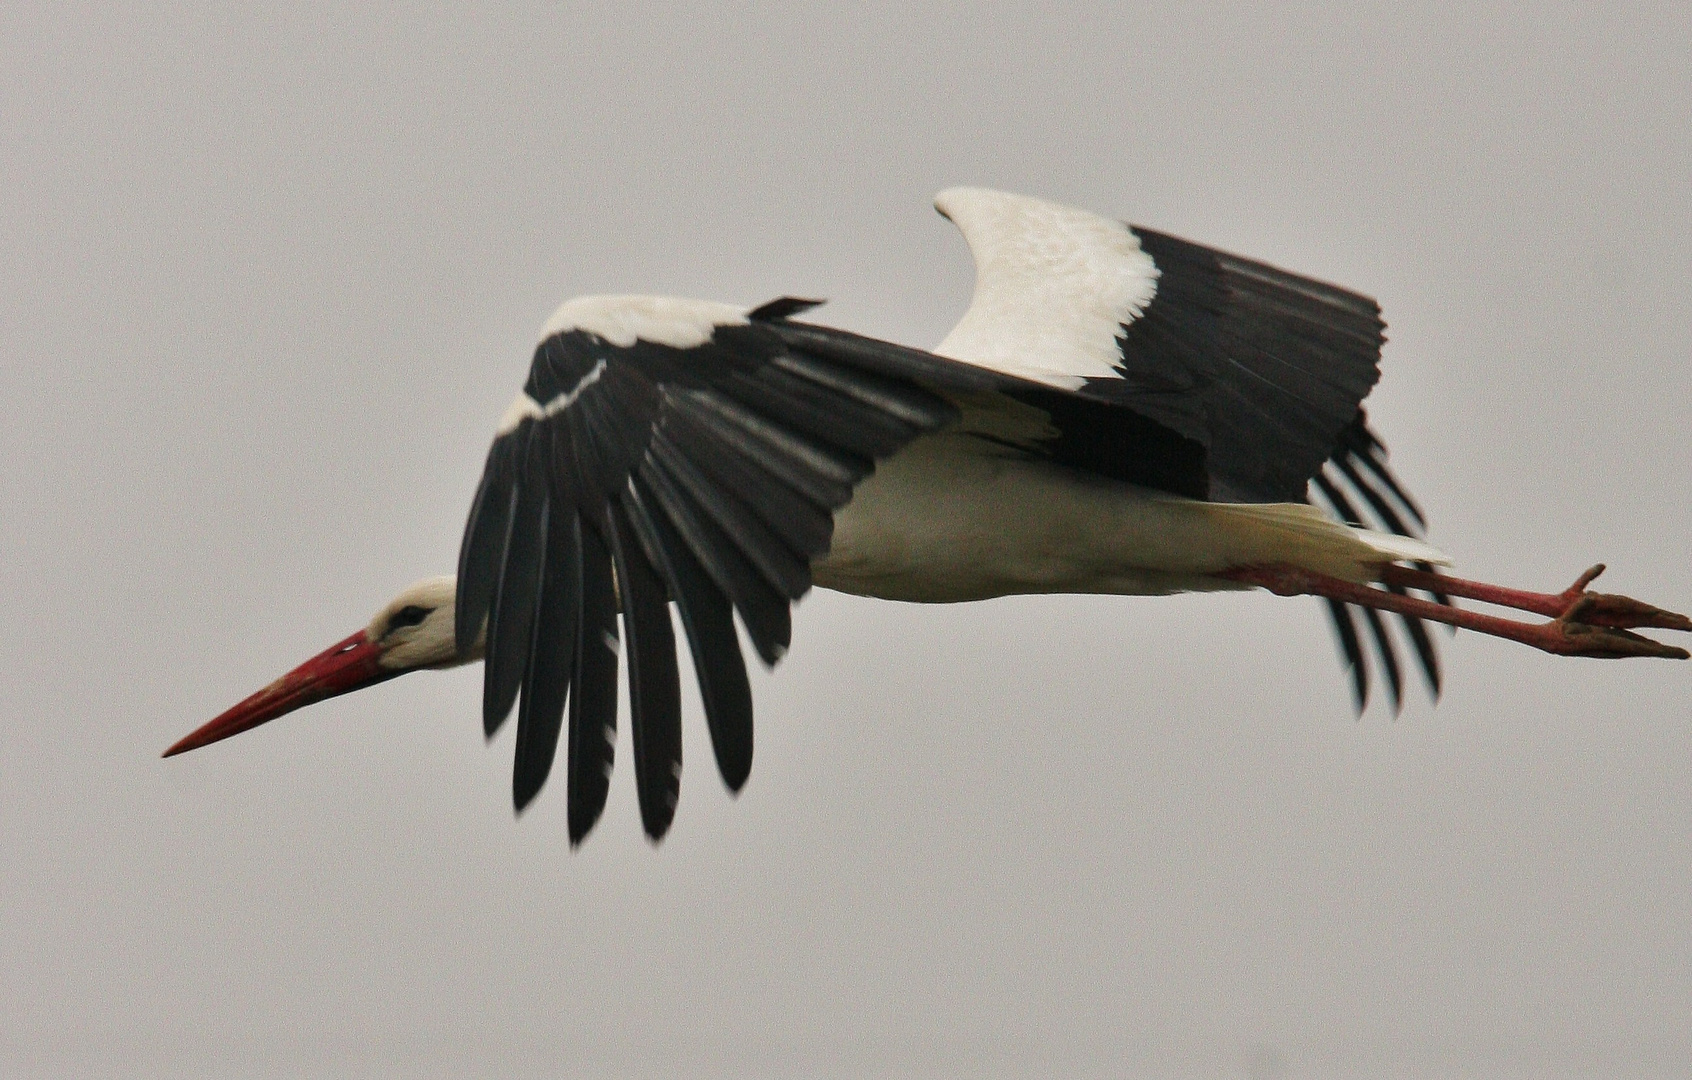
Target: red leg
[1573, 603]
[1565, 635]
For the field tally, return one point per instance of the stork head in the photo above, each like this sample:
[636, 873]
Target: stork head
[414, 630]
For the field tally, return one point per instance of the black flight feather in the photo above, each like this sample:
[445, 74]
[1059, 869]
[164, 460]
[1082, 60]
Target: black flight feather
[1340, 615]
[1426, 655]
[804, 525]
[808, 471]
[593, 691]
[783, 568]
[483, 548]
[1364, 445]
[552, 657]
[708, 621]
[763, 609]
[1388, 655]
[511, 616]
[836, 423]
[654, 684]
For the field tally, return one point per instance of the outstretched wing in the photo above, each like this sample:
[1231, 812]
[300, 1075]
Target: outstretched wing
[1232, 380]
[662, 450]
[1261, 369]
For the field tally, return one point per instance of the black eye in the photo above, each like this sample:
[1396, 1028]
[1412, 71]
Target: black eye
[410, 615]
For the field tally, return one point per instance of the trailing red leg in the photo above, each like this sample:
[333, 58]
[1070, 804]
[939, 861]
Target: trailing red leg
[1583, 624]
[1573, 603]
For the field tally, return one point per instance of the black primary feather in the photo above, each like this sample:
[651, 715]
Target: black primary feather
[593, 696]
[1427, 656]
[484, 544]
[1263, 368]
[1364, 445]
[803, 525]
[1340, 615]
[762, 608]
[512, 613]
[552, 657]
[1388, 656]
[781, 566]
[654, 684]
[708, 621]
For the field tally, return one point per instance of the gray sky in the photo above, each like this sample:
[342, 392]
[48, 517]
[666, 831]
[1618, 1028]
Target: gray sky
[267, 282]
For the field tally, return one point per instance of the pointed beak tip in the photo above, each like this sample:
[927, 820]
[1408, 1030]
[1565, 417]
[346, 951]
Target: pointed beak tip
[188, 742]
[345, 666]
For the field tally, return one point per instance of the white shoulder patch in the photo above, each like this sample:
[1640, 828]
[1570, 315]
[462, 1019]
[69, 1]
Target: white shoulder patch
[1053, 287]
[662, 320]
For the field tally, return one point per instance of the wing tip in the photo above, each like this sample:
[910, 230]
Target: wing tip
[734, 773]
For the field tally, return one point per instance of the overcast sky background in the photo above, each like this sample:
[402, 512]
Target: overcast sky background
[268, 281]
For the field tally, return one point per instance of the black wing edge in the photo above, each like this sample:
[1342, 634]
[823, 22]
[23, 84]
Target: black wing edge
[1260, 365]
[1354, 477]
[702, 477]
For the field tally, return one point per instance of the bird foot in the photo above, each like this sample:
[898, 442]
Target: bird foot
[1612, 610]
[1568, 636]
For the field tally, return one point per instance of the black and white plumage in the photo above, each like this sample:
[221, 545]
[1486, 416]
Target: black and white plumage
[1110, 380]
[1119, 411]
[678, 450]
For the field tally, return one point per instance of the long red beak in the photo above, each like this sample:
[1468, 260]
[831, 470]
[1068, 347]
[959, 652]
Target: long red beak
[342, 668]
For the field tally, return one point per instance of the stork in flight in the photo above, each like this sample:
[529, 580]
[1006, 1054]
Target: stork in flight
[1118, 411]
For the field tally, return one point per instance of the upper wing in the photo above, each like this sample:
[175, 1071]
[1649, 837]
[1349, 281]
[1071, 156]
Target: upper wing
[1261, 372]
[660, 450]
[1261, 369]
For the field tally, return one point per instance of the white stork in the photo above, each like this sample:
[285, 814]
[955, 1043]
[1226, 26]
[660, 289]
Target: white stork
[1119, 411]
